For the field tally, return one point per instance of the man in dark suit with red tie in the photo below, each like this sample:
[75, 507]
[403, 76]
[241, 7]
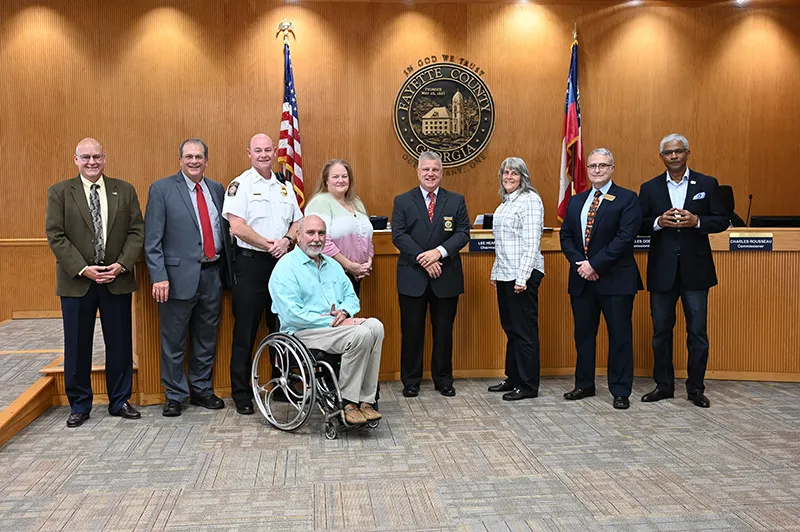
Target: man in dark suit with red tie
[185, 237]
[680, 208]
[597, 238]
[429, 227]
[94, 227]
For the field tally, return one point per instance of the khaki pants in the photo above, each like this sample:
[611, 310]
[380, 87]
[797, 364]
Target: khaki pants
[360, 346]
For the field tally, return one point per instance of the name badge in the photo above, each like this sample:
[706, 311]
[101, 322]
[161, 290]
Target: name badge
[609, 197]
[448, 223]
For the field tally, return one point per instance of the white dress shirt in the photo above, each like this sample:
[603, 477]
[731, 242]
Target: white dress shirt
[101, 191]
[427, 206]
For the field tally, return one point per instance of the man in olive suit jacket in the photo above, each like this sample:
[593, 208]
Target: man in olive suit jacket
[94, 227]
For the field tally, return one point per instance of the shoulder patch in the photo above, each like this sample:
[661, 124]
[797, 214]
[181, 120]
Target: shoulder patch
[233, 188]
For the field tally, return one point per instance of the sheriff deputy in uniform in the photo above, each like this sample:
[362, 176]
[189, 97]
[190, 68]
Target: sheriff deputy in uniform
[263, 215]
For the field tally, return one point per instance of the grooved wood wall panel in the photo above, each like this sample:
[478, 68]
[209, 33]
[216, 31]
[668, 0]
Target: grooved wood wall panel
[143, 75]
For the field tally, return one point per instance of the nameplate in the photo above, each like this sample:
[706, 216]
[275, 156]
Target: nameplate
[641, 243]
[750, 242]
[481, 245]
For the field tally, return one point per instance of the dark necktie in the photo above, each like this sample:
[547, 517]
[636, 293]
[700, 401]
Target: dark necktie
[590, 220]
[97, 223]
[431, 205]
[205, 223]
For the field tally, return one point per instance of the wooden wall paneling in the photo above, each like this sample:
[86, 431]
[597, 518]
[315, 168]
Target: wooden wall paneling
[48, 59]
[27, 277]
[143, 76]
[774, 39]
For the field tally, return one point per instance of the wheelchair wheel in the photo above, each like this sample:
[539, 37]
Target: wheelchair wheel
[373, 424]
[287, 399]
[331, 432]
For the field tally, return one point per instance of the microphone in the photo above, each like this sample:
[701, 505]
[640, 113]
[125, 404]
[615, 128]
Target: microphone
[750, 204]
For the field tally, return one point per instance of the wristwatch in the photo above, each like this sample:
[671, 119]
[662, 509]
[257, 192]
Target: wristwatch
[123, 270]
[290, 239]
[346, 314]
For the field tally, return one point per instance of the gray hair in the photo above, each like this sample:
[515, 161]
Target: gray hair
[673, 137]
[602, 151]
[519, 166]
[193, 141]
[304, 218]
[429, 156]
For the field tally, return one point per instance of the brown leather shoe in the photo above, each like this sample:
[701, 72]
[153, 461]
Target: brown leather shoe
[369, 413]
[353, 415]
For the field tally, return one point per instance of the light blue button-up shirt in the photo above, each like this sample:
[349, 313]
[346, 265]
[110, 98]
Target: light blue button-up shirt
[303, 293]
[588, 203]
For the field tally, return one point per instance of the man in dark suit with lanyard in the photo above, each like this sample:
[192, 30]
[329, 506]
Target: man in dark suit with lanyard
[185, 252]
[680, 208]
[597, 238]
[429, 227]
[94, 227]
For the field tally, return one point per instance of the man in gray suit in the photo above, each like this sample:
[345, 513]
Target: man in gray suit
[184, 248]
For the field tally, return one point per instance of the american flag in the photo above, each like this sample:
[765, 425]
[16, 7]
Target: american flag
[573, 171]
[289, 153]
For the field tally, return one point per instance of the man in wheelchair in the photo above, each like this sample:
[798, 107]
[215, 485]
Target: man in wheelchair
[315, 302]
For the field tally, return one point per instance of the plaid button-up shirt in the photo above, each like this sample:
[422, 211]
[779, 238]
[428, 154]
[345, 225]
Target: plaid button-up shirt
[518, 224]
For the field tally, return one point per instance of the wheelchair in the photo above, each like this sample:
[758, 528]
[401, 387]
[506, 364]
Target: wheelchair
[304, 378]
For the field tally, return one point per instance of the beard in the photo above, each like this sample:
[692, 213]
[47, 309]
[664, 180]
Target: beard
[313, 251]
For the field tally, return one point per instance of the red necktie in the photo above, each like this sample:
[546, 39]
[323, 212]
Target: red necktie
[431, 205]
[205, 223]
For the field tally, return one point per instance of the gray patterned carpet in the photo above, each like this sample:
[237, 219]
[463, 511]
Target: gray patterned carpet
[472, 462]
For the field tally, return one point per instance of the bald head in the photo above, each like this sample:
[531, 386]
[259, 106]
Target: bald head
[261, 151]
[88, 142]
[90, 159]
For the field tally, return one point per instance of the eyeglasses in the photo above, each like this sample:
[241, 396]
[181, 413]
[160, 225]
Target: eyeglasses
[679, 151]
[599, 166]
[190, 157]
[96, 157]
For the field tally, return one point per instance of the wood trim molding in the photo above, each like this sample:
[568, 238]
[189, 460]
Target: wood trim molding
[25, 408]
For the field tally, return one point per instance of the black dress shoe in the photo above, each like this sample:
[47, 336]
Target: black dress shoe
[126, 411]
[504, 386]
[245, 409]
[579, 393]
[171, 409]
[621, 403]
[76, 420]
[657, 395]
[212, 402]
[447, 390]
[516, 394]
[699, 399]
[410, 391]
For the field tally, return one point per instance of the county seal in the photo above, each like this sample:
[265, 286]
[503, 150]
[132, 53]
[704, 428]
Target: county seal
[445, 108]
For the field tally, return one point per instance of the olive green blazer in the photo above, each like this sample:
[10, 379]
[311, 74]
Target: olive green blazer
[70, 234]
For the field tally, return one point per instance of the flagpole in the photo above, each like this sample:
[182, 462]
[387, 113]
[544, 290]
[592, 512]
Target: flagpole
[575, 32]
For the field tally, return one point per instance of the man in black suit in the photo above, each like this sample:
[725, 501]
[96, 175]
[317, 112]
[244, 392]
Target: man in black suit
[597, 238]
[429, 227]
[94, 227]
[680, 208]
[185, 249]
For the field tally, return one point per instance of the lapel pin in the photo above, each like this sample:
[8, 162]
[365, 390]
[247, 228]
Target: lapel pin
[113, 193]
[692, 182]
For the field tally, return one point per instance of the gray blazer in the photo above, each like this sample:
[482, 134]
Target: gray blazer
[172, 238]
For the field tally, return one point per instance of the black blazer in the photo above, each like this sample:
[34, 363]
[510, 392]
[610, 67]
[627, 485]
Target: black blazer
[413, 233]
[611, 245]
[697, 264]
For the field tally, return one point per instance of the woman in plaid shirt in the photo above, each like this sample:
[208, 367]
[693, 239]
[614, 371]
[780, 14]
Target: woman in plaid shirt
[517, 271]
